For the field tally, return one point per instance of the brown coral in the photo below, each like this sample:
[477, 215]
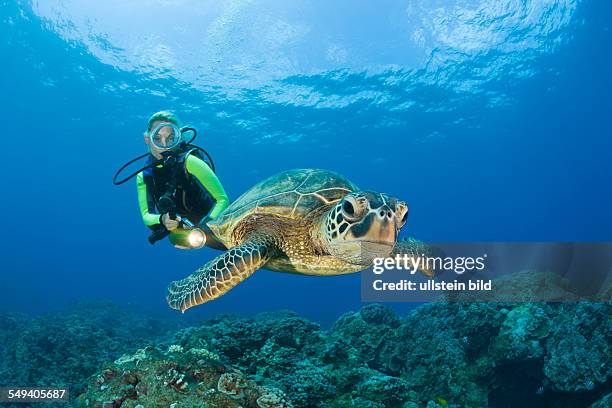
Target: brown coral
[232, 384]
[273, 398]
[176, 381]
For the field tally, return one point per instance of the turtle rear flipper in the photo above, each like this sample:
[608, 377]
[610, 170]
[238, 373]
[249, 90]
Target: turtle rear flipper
[220, 274]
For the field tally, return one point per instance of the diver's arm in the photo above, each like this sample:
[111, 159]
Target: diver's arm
[143, 202]
[210, 182]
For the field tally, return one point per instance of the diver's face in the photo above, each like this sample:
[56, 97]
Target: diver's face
[164, 137]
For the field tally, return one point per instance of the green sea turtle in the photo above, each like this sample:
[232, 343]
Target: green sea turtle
[305, 221]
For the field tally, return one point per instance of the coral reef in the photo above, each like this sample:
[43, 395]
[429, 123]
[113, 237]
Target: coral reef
[579, 348]
[440, 355]
[444, 354]
[152, 377]
[65, 348]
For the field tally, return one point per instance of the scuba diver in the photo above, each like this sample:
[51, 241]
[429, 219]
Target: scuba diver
[178, 190]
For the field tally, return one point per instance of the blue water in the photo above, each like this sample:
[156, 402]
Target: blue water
[490, 118]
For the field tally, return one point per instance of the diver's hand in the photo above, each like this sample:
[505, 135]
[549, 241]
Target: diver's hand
[169, 223]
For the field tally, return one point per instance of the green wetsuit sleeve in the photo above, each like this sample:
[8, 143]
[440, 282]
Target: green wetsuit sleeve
[210, 182]
[148, 218]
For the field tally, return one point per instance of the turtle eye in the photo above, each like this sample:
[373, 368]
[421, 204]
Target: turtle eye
[351, 208]
[348, 208]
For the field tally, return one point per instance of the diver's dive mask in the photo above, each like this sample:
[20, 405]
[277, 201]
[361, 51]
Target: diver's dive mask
[166, 135]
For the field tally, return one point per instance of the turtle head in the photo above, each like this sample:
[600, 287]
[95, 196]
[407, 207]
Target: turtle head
[362, 226]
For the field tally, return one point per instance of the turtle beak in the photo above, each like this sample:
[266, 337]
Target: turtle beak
[374, 237]
[359, 252]
[378, 226]
[385, 226]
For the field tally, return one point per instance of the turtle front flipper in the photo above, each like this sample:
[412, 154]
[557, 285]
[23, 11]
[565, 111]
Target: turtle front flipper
[416, 249]
[220, 274]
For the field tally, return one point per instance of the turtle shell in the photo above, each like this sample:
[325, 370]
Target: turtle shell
[293, 194]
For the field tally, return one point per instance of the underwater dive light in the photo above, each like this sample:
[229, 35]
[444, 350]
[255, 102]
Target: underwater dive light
[196, 238]
[190, 237]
